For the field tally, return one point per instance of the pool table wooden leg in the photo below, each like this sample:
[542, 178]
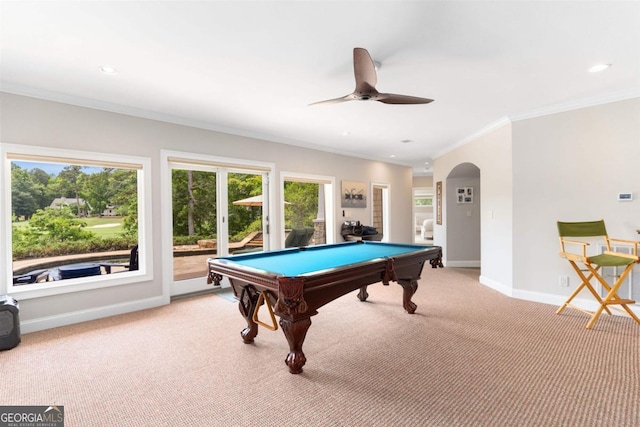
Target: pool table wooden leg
[409, 288]
[363, 294]
[247, 304]
[250, 332]
[295, 331]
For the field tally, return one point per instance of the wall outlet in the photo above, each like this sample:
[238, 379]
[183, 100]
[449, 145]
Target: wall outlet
[564, 281]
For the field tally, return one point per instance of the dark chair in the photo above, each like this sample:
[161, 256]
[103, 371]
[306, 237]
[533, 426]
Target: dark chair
[296, 238]
[299, 237]
[353, 230]
[34, 276]
[131, 266]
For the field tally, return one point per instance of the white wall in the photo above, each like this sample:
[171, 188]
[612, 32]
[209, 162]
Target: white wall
[570, 167]
[35, 122]
[423, 181]
[567, 166]
[491, 153]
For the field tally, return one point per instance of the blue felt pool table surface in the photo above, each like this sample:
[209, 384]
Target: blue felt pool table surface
[302, 261]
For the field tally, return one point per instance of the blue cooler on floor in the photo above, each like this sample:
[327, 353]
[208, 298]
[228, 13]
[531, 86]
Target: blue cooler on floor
[9, 322]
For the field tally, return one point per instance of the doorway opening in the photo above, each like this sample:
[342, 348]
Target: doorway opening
[380, 209]
[423, 219]
[463, 216]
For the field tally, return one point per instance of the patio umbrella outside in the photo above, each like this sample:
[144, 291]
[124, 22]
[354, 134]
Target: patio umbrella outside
[252, 201]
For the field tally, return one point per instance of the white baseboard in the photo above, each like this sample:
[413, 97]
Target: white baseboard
[496, 286]
[588, 304]
[462, 264]
[544, 298]
[49, 322]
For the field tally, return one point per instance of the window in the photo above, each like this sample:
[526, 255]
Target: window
[73, 221]
[423, 201]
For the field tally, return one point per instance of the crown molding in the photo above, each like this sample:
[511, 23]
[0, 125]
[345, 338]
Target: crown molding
[150, 115]
[121, 109]
[485, 130]
[545, 111]
[576, 105]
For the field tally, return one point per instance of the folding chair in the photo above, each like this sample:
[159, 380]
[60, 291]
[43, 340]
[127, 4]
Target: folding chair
[593, 265]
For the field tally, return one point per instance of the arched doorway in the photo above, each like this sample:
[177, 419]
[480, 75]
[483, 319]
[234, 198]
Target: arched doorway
[463, 195]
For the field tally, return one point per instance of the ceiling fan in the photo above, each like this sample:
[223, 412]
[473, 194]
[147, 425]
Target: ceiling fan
[366, 79]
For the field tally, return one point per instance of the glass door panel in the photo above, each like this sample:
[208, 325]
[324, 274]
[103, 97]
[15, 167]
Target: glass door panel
[304, 210]
[247, 204]
[194, 221]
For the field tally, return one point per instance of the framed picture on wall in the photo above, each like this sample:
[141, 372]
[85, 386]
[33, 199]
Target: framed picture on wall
[464, 194]
[439, 202]
[354, 194]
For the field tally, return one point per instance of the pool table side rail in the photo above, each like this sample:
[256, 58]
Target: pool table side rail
[326, 285]
[230, 268]
[235, 261]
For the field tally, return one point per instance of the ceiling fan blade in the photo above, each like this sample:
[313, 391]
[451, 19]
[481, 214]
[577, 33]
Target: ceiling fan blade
[392, 98]
[363, 68]
[349, 97]
[366, 80]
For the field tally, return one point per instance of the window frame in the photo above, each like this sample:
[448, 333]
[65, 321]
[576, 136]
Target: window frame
[10, 152]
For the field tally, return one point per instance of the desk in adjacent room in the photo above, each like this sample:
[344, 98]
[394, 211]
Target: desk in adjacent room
[297, 281]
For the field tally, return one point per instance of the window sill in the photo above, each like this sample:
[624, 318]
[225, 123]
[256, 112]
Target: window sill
[81, 284]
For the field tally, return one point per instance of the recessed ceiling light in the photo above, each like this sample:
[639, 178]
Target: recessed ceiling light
[108, 70]
[346, 133]
[392, 156]
[599, 67]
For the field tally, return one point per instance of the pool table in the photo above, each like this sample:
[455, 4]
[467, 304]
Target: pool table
[297, 281]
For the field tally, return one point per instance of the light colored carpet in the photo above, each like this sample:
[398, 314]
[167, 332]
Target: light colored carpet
[468, 357]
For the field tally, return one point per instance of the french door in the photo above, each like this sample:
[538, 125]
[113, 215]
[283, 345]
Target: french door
[216, 209]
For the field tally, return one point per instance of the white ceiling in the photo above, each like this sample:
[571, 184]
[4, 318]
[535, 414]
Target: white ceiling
[252, 68]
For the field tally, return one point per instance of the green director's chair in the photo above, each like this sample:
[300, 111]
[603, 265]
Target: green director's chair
[593, 264]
